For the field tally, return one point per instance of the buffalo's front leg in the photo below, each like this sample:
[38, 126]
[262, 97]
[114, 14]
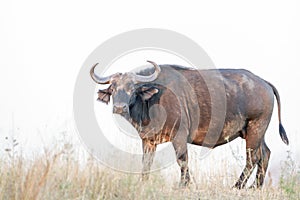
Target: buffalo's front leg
[149, 148]
[180, 146]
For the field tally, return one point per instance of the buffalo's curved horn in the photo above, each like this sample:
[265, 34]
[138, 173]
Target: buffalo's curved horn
[98, 79]
[152, 77]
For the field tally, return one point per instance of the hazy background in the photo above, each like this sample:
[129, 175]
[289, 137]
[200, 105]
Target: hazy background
[43, 46]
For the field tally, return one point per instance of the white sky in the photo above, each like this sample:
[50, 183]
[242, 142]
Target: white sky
[44, 44]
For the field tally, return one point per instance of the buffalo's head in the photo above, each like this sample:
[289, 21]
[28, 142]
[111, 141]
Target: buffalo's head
[123, 86]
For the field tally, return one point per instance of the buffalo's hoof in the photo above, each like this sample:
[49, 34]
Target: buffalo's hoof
[237, 186]
[184, 184]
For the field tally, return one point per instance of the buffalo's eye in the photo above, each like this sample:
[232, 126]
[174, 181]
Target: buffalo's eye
[130, 91]
[113, 86]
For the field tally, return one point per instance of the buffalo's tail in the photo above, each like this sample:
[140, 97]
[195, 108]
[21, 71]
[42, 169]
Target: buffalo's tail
[282, 132]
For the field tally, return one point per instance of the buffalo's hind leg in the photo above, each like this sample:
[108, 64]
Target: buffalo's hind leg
[256, 150]
[262, 165]
[250, 165]
[149, 149]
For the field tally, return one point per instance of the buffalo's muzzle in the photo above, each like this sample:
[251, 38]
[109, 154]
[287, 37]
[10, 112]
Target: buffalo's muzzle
[120, 108]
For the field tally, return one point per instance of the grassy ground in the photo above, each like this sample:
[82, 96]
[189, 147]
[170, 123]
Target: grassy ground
[58, 175]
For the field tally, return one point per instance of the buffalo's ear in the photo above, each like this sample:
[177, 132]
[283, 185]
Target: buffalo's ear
[148, 92]
[104, 95]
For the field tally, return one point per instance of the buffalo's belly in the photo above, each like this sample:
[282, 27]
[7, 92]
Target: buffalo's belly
[209, 138]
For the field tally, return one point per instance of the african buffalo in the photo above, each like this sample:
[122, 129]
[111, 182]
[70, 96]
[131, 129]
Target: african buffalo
[187, 108]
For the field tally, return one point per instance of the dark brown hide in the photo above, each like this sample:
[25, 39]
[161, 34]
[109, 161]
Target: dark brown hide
[191, 100]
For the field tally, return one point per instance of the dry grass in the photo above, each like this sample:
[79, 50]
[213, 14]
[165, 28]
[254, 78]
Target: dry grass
[57, 174]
